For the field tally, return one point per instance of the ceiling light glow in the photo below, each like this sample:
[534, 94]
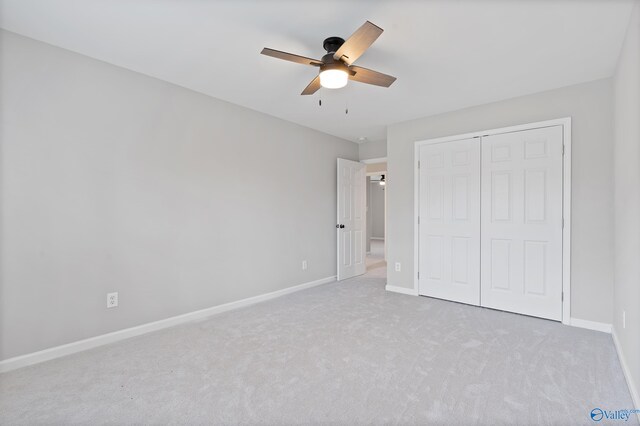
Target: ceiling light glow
[333, 78]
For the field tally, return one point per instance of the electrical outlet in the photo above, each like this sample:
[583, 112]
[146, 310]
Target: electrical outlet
[112, 300]
[304, 265]
[398, 267]
[624, 319]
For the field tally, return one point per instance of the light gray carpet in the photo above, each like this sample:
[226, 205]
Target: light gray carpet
[342, 353]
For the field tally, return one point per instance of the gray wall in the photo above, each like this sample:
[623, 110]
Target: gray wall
[376, 205]
[368, 150]
[115, 181]
[627, 198]
[590, 107]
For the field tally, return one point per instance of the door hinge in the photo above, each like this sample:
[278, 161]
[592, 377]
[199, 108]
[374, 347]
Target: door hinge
[418, 220]
[418, 163]
[562, 149]
[562, 297]
[418, 274]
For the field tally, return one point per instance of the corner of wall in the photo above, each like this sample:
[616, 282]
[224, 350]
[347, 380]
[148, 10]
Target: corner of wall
[372, 149]
[626, 189]
[634, 390]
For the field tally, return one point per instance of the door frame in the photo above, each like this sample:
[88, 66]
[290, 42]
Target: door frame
[566, 198]
[384, 237]
[385, 172]
[374, 160]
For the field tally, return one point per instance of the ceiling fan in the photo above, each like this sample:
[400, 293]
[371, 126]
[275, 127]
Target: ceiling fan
[336, 67]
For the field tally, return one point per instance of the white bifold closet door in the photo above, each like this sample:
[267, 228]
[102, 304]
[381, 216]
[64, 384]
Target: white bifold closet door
[449, 230]
[490, 221]
[522, 222]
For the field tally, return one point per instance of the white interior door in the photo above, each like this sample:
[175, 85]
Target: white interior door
[449, 215]
[351, 225]
[521, 244]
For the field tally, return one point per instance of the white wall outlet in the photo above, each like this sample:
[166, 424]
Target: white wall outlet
[304, 265]
[398, 267]
[624, 319]
[112, 300]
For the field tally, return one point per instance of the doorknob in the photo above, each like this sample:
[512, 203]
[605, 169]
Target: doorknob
[340, 226]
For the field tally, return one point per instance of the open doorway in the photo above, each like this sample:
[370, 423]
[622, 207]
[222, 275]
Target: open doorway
[376, 217]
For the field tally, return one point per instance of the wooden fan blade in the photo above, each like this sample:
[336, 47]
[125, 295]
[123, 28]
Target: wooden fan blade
[312, 87]
[291, 57]
[359, 41]
[364, 75]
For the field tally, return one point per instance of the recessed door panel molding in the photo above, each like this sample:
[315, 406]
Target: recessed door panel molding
[434, 160]
[449, 229]
[493, 212]
[435, 194]
[535, 200]
[460, 158]
[500, 198]
[535, 148]
[460, 190]
[460, 259]
[522, 205]
[535, 266]
[351, 221]
[434, 248]
[500, 152]
[346, 249]
[500, 266]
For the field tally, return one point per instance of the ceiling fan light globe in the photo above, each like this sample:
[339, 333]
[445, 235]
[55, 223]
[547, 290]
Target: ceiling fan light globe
[333, 78]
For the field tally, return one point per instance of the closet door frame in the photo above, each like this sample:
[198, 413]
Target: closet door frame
[566, 199]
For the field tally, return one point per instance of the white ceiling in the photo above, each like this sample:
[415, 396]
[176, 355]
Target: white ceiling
[446, 54]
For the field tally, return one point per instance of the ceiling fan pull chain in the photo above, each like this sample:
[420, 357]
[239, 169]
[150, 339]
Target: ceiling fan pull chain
[346, 107]
[320, 101]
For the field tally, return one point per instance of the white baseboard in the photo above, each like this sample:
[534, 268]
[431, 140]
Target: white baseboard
[403, 290]
[92, 342]
[591, 325]
[633, 388]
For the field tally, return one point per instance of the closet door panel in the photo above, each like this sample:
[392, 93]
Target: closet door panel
[521, 243]
[449, 229]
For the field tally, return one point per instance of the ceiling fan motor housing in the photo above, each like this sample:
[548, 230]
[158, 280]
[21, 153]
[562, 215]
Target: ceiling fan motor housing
[332, 44]
[329, 63]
